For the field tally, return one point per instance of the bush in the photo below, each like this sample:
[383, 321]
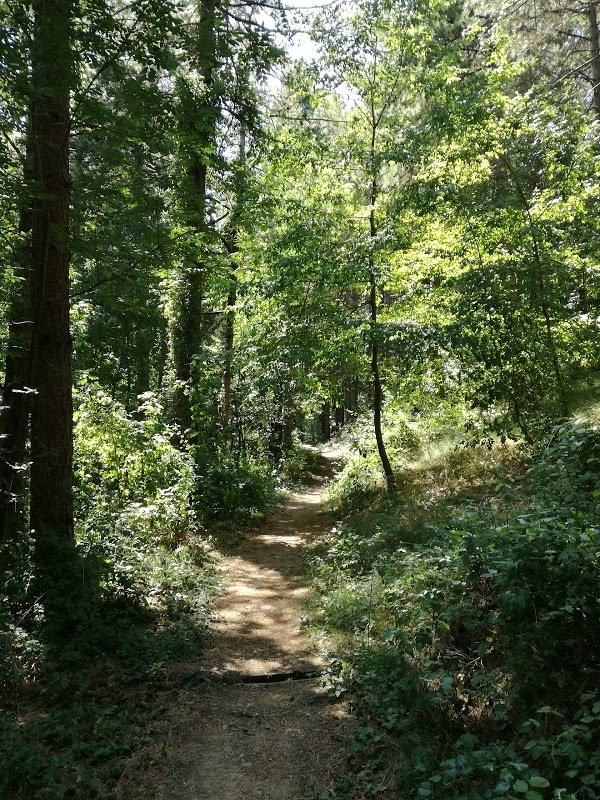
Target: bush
[231, 490]
[82, 682]
[129, 477]
[355, 484]
[483, 681]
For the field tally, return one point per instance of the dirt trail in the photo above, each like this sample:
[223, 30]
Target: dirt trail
[273, 741]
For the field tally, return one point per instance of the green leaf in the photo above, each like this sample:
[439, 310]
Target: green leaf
[549, 710]
[520, 786]
[539, 782]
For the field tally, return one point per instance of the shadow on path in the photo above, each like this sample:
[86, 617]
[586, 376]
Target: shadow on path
[257, 627]
[270, 741]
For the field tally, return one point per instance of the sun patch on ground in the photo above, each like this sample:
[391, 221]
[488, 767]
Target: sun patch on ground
[273, 741]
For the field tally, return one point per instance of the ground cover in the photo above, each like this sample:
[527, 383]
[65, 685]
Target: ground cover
[462, 614]
[79, 692]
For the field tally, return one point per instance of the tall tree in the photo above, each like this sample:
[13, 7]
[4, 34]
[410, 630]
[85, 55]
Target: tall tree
[374, 55]
[52, 411]
[198, 117]
[230, 240]
[229, 53]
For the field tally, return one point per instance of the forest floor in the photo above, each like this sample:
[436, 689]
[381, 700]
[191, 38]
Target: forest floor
[243, 732]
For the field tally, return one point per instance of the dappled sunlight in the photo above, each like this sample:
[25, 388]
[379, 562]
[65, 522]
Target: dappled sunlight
[250, 732]
[257, 626]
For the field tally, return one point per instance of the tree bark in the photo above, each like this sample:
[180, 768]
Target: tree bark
[350, 400]
[228, 342]
[592, 14]
[52, 407]
[198, 126]
[325, 420]
[232, 248]
[377, 388]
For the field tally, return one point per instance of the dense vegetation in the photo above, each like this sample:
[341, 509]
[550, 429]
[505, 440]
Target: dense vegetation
[213, 251]
[462, 613]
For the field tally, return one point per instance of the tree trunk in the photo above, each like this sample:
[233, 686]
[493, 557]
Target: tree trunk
[325, 420]
[350, 400]
[377, 388]
[232, 248]
[198, 125]
[228, 338]
[52, 408]
[288, 430]
[592, 13]
[143, 336]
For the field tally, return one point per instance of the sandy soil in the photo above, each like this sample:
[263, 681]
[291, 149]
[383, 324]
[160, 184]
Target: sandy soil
[275, 741]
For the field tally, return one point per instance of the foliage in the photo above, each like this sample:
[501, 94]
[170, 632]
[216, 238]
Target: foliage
[472, 651]
[75, 702]
[299, 463]
[129, 476]
[231, 490]
[255, 262]
[76, 698]
[411, 436]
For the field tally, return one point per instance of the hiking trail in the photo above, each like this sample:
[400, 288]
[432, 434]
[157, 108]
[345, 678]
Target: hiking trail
[244, 732]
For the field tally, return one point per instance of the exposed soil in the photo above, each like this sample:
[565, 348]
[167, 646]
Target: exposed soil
[228, 739]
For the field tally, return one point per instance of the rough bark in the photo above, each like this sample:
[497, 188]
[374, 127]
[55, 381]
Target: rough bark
[592, 14]
[52, 412]
[198, 127]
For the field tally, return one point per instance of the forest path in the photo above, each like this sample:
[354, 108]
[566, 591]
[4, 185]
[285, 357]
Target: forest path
[273, 741]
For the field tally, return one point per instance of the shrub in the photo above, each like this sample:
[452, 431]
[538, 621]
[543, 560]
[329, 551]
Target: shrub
[128, 474]
[81, 683]
[232, 490]
[479, 677]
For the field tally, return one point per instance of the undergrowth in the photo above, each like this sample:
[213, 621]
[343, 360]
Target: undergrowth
[82, 681]
[77, 697]
[463, 612]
